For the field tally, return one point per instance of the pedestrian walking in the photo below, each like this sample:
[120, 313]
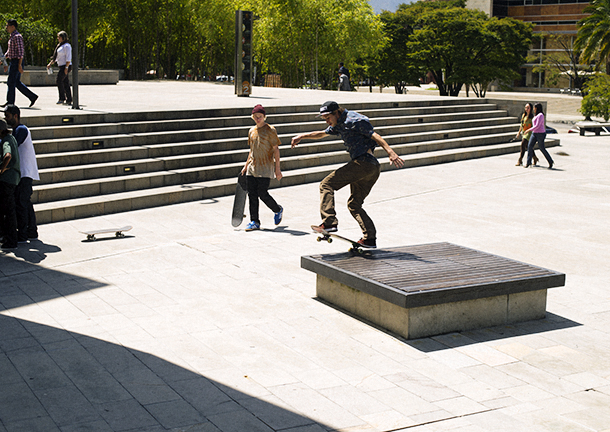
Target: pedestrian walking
[262, 165]
[538, 130]
[63, 57]
[14, 56]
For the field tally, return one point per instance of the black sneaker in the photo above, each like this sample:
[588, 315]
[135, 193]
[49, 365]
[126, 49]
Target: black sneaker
[9, 246]
[368, 243]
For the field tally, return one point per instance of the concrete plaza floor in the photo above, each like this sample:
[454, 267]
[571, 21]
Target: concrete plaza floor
[188, 324]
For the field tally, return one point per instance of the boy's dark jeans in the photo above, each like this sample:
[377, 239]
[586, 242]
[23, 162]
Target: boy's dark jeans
[258, 188]
[361, 174]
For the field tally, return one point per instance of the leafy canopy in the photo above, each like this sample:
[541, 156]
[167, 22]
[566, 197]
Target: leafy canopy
[457, 46]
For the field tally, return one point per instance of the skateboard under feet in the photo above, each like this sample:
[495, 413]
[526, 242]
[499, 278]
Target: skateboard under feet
[328, 237]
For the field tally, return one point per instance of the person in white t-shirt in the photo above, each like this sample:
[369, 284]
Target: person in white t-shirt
[63, 57]
[26, 218]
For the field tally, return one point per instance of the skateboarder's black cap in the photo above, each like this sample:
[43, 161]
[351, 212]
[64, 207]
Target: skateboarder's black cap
[328, 107]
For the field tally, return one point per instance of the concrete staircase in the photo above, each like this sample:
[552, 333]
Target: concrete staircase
[95, 164]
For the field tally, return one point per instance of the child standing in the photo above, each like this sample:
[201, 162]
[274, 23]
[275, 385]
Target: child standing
[262, 165]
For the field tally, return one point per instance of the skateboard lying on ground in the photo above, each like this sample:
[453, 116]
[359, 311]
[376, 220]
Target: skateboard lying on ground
[239, 202]
[118, 232]
[328, 237]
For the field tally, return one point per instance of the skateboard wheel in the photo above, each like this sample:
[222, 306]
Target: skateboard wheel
[319, 239]
[330, 240]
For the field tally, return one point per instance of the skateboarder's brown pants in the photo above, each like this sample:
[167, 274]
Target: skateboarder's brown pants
[361, 174]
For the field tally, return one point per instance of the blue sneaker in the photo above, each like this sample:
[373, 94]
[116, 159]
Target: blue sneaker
[278, 216]
[253, 226]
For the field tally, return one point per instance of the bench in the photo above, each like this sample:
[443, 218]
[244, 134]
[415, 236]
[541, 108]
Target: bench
[426, 290]
[592, 126]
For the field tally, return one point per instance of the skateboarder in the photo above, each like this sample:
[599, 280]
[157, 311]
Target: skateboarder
[262, 165]
[361, 173]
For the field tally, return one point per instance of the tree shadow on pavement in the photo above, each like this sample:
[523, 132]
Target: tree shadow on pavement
[53, 379]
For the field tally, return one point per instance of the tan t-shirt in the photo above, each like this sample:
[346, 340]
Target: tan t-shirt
[262, 142]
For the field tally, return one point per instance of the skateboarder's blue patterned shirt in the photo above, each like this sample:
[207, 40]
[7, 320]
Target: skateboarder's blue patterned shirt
[356, 131]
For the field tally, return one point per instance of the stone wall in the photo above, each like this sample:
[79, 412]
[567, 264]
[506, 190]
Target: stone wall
[40, 77]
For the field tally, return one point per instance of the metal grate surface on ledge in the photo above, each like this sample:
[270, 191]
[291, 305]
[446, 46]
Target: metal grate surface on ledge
[436, 273]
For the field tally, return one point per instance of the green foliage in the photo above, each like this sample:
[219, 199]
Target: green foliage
[39, 37]
[597, 101]
[303, 38]
[594, 33]
[295, 38]
[458, 46]
[390, 66]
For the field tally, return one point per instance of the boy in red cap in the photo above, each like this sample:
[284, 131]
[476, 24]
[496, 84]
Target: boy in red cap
[262, 165]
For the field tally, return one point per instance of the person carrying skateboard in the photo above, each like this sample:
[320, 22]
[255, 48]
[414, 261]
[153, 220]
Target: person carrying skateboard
[262, 165]
[361, 173]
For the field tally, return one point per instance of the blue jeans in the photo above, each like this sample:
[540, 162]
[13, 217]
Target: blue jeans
[539, 138]
[14, 82]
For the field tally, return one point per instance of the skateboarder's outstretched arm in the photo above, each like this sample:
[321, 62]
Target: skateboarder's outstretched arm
[394, 158]
[311, 135]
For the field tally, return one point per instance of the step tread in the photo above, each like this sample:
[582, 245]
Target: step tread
[331, 140]
[287, 174]
[314, 123]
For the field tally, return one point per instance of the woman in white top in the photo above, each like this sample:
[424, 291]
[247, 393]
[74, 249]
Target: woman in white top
[63, 57]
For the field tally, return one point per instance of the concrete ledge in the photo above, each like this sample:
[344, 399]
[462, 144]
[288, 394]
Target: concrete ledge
[418, 322]
[427, 290]
[592, 126]
[40, 77]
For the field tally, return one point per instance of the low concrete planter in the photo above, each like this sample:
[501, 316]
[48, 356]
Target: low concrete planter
[40, 77]
[427, 290]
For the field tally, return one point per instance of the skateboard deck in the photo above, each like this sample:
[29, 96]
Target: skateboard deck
[118, 232]
[239, 202]
[328, 237]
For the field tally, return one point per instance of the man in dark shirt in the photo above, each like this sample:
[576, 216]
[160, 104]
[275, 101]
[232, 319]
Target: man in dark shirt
[361, 173]
[14, 55]
[10, 175]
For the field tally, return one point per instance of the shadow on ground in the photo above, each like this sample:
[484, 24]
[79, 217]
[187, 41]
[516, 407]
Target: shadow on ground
[53, 379]
[457, 339]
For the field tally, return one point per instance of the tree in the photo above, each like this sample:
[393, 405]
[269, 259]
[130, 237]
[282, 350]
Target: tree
[499, 54]
[593, 37]
[391, 66]
[597, 100]
[39, 37]
[295, 38]
[561, 59]
[462, 46]
[304, 40]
